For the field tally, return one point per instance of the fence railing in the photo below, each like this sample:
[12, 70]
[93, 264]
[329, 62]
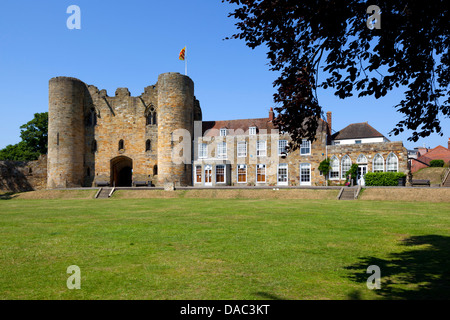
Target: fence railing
[444, 175]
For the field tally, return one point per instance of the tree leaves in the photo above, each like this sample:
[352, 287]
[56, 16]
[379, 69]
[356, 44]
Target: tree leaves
[411, 49]
[34, 140]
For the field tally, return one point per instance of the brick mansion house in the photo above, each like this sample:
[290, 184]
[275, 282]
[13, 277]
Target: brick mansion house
[159, 137]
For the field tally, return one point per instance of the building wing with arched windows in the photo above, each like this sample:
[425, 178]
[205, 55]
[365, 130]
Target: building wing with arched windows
[362, 144]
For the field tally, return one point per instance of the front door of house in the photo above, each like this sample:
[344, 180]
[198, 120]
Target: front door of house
[208, 175]
[362, 170]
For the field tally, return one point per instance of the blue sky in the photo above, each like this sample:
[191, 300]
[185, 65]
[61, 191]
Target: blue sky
[128, 43]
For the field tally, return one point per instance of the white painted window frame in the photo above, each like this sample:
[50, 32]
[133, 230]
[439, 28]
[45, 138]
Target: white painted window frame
[265, 173]
[237, 173]
[224, 173]
[300, 175]
[282, 144]
[331, 169]
[373, 163]
[303, 147]
[201, 150]
[261, 152]
[240, 143]
[396, 162]
[342, 166]
[222, 150]
[282, 166]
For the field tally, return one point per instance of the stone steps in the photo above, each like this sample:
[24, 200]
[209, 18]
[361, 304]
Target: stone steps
[104, 193]
[446, 183]
[348, 194]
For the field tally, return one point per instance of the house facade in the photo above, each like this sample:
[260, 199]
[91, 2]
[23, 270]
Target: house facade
[252, 152]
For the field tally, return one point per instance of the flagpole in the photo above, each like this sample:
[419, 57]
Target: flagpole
[185, 61]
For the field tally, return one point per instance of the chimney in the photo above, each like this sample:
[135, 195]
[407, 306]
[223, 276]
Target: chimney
[329, 121]
[271, 115]
[448, 144]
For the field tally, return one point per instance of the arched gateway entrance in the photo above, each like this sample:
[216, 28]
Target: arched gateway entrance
[121, 171]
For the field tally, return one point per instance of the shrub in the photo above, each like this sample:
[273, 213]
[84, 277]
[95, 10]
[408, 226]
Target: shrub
[353, 171]
[436, 163]
[324, 166]
[383, 178]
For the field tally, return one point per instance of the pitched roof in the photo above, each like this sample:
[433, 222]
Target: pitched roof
[438, 153]
[244, 125]
[356, 131]
[241, 124]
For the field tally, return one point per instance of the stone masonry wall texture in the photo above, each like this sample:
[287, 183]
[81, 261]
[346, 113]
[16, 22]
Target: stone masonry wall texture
[96, 139]
[20, 176]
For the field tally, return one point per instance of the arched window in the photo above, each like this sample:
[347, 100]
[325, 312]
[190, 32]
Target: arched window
[148, 145]
[94, 146]
[334, 170]
[92, 118]
[151, 117]
[392, 163]
[378, 163]
[155, 170]
[346, 164]
[361, 159]
[121, 145]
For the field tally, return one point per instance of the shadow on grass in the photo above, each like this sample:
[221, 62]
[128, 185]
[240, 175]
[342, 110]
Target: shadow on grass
[269, 296]
[7, 196]
[420, 273]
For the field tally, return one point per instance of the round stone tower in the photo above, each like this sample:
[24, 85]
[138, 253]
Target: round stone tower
[175, 112]
[65, 133]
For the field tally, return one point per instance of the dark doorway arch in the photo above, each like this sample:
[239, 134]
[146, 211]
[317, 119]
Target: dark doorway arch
[121, 171]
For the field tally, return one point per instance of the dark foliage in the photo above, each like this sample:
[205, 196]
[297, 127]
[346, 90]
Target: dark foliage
[383, 178]
[411, 49]
[437, 163]
[353, 172]
[34, 140]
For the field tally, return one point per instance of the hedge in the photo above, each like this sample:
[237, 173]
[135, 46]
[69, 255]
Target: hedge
[436, 163]
[383, 178]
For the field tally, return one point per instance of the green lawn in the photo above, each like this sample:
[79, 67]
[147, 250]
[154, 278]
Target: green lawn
[223, 249]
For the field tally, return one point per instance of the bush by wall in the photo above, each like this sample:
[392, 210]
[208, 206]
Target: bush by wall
[383, 178]
[437, 163]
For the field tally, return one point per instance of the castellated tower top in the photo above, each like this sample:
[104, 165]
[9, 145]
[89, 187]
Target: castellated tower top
[123, 91]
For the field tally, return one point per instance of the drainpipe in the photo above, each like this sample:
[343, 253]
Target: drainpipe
[326, 157]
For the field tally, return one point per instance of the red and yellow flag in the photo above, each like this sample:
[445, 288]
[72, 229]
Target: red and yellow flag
[182, 53]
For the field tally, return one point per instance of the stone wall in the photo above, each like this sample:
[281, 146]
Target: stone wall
[176, 123]
[65, 132]
[120, 118]
[369, 150]
[19, 176]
